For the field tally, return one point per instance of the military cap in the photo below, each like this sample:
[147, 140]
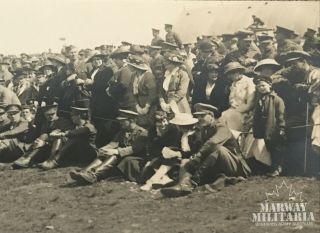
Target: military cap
[233, 66]
[262, 78]
[284, 31]
[57, 58]
[50, 107]
[101, 56]
[155, 30]
[126, 114]
[48, 64]
[170, 46]
[202, 109]
[309, 33]
[136, 49]
[118, 51]
[296, 55]
[205, 45]
[137, 62]
[183, 119]
[264, 37]
[13, 108]
[167, 25]
[267, 62]
[81, 105]
[244, 35]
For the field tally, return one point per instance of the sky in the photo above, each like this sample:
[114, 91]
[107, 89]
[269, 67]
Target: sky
[34, 26]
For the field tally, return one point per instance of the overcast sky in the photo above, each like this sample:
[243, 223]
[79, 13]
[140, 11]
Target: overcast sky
[36, 25]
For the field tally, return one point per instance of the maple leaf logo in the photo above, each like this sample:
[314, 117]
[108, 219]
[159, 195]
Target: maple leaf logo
[284, 192]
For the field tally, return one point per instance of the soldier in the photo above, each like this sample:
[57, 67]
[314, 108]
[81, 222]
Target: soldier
[44, 144]
[156, 40]
[171, 36]
[266, 46]
[267, 67]
[125, 153]
[76, 145]
[219, 153]
[4, 120]
[15, 141]
[190, 57]
[285, 40]
[309, 42]
[157, 63]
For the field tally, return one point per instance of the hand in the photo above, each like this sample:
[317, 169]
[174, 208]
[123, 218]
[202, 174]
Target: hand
[38, 143]
[88, 81]
[79, 81]
[168, 153]
[283, 134]
[111, 151]
[71, 77]
[165, 107]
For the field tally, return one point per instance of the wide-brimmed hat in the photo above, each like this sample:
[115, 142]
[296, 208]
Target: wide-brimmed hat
[267, 62]
[174, 58]
[81, 105]
[136, 50]
[205, 45]
[137, 62]
[100, 56]
[296, 55]
[121, 50]
[13, 108]
[183, 119]
[126, 114]
[233, 66]
[57, 58]
[49, 65]
[202, 109]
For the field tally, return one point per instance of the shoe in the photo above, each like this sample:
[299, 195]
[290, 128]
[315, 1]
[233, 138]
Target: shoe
[74, 174]
[178, 190]
[275, 172]
[146, 187]
[22, 162]
[164, 181]
[48, 164]
[86, 177]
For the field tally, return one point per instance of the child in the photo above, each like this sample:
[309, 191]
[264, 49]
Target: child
[269, 123]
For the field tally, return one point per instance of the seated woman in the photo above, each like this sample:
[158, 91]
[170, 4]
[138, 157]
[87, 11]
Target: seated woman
[241, 99]
[173, 94]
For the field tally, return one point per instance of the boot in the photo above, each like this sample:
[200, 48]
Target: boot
[93, 175]
[184, 187]
[25, 161]
[52, 161]
[74, 174]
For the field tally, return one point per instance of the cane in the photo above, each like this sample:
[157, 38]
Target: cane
[306, 142]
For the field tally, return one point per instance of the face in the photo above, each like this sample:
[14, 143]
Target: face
[73, 54]
[75, 117]
[212, 75]
[125, 124]
[47, 71]
[14, 116]
[50, 115]
[167, 29]
[161, 126]
[205, 120]
[118, 62]
[299, 65]
[234, 76]
[26, 113]
[97, 62]
[263, 87]
[154, 33]
[266, 71]
[3, 117]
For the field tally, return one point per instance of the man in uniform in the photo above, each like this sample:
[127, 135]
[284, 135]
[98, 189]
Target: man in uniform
[125, 153]
[266, 46]
[157, 63]
[171, 36]
[15, 141]
[4, 120]
[156, 40]
[285, 40]
[218, 154]
[309, 42]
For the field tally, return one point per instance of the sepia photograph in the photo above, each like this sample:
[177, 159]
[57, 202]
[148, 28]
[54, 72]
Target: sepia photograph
[159, 116]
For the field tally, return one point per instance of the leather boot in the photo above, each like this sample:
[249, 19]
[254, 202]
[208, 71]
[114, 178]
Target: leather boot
[93, 175]
[74, 174]
[52, 161]
[25, 161]
[184, 187]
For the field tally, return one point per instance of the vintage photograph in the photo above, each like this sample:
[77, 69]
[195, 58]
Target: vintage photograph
[159, 116]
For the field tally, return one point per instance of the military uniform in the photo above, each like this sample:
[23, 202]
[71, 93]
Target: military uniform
[156, 41]
[173, 37]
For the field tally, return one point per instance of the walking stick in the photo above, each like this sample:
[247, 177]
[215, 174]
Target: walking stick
[306, 142]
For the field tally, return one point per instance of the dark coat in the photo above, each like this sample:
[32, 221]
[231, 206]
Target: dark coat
[268, 117]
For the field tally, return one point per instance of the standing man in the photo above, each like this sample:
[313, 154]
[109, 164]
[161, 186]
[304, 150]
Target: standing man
[5, 73]
[157, 40]
[171, 36]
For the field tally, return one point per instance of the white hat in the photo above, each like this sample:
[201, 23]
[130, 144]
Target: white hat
[183, 119]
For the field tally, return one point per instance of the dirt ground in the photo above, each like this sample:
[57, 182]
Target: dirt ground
[36, 201]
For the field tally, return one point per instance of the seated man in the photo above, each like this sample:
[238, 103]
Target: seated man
[125, 153]
[219, 154]
[42, 146]
[4, 120]
[14, 142]
[76, 145]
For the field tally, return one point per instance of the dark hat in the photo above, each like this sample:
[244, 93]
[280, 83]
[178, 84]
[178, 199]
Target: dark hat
[15, 108]
[284, 31]
[296, 55]
[53, 107]
[267, 62]
[118, 51]
[81, 105]
[262, 78]
[233, 66]
[244, 35]
[309, 33]
[169, 46]
[202, 109]
[136, 49]
[57, 58]
[126, 114]
[174, 58]
[137, 62]
[126, 43]
[155, 30]
[49, 65]
[168, 25]
[264, 37]
[205, 45]
[101, 56]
